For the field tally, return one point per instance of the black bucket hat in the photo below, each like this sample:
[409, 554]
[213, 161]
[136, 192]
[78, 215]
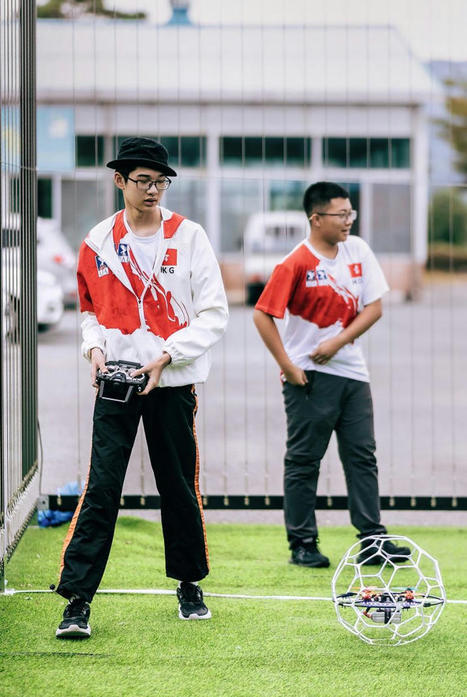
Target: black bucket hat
[143, 152]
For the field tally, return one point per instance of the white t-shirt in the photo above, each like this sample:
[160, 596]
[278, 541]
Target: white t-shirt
[321, 297]
[144, 250]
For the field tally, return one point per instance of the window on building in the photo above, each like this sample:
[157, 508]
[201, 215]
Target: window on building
[255, 151]
[239, 200]
[381, 153]
[184, 151]
[89, 151]
[83, 203]
[390, 218]
[188, 197]
[44, 197]
[298, 152]
[286, 195]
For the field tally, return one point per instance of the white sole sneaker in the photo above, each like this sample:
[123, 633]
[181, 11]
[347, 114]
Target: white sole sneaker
[74, 631]
[194, 616]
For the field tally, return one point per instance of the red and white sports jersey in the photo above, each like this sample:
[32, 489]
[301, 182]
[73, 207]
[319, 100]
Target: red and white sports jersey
[179, 307]
[322, 296]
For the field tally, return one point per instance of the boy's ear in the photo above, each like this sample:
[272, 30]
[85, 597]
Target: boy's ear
[314, 219]
[119, 181]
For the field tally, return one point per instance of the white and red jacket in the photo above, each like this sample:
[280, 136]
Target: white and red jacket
[181, 308]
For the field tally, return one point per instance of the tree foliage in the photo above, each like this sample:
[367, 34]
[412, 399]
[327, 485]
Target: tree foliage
[448, 218]
[70, 9]
[454, 127]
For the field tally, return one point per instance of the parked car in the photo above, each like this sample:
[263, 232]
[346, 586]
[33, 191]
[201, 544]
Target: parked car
[268, 237]
[50, 300]
[50, 304]
[55, 254]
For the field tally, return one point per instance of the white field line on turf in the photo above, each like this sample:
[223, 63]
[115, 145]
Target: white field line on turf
[163, 591]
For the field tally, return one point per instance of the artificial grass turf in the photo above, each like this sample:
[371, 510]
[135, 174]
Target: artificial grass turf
[250, 647]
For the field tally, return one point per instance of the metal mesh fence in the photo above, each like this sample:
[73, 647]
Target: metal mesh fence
[251, 114]
[19, 480]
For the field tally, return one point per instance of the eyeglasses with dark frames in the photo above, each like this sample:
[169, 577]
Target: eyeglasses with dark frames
[144, 185]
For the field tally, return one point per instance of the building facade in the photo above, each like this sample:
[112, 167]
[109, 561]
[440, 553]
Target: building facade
[250, 116]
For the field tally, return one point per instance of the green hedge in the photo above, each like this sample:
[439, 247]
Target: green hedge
[447, 257]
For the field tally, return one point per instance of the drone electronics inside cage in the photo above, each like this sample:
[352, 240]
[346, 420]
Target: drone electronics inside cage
[389, 602]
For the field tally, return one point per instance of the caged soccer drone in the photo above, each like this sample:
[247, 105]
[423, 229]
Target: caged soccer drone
[388, 602]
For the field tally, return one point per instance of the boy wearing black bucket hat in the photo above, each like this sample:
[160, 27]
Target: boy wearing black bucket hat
[151, 294]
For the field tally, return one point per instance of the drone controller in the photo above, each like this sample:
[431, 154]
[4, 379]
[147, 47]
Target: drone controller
[117, 385]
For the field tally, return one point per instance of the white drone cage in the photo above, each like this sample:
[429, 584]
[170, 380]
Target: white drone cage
[389, 602]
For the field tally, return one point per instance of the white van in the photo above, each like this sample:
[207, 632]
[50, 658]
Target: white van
[268, 237]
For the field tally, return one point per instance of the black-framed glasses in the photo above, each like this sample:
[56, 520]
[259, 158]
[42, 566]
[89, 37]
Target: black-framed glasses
[344, 216]
[144, 185]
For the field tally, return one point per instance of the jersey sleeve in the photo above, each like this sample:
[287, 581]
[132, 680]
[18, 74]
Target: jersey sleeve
[277, 292]
[374, 281]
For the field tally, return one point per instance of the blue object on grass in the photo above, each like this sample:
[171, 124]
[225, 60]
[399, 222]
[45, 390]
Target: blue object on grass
[48, 518]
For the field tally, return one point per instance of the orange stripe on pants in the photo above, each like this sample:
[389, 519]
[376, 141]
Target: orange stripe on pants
[71, 529]
[198, 493]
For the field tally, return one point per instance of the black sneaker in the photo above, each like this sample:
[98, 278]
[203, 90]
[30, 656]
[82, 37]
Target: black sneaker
[368, 553]
[191, 605]
[309, 555]
[75, 623]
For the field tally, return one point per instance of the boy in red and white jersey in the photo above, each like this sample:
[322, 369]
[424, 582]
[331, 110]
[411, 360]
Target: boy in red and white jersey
[151, 294]
[330, 288]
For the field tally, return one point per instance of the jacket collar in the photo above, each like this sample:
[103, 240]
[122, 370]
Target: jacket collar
[98, 235]
[100, 240]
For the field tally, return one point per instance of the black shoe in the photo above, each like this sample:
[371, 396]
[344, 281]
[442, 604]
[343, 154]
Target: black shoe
[75, 623]
[309, 555]
[191, 605]
[369, 556]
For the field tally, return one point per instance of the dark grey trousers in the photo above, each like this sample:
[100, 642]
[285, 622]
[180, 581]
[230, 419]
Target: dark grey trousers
[329, 403]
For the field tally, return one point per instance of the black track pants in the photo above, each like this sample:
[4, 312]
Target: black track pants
[168, 418]
[329, 403]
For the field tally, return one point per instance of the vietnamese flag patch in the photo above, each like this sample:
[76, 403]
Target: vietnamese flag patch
[355, 270]
[170, 258]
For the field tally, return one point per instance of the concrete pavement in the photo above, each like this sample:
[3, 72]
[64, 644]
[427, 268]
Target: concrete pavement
[417, 358]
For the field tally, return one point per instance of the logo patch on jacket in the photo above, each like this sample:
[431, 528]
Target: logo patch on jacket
[102, 268]
[123, 252]
[170, 258]
[355, 270]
